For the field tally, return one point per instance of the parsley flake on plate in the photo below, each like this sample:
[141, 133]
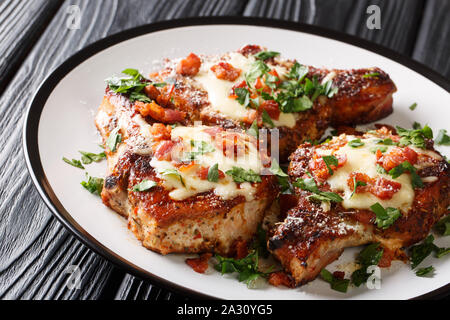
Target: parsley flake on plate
[369, 256]
[74, 162]
[337, 284]
[93, 184]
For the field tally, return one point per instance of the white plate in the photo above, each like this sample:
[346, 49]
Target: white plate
[61, 121]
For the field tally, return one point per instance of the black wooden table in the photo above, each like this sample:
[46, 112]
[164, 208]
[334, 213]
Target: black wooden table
[35, 250]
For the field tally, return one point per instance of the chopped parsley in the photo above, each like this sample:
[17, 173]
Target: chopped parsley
[442, 138]
[254, 130]
[381, 148]
[266, 119]
[385, 217]
[416, 137]
[264, 55]
[114, 139]
[413, 106]
[89, 157]
[420, 251]
[369, 256]
[93, 185]
[131, 85]
[276, 170]
[407, 166]
[337, 284]
[425, 272]
[173, 173]
[257, 69]
[198, 148]
[386, 142]
[243, 96]
[356, 143]
[213, 173]
[144, 185]
[371, 75]
[74, 162]
[330, 161]
[310, 185]
[241, 175]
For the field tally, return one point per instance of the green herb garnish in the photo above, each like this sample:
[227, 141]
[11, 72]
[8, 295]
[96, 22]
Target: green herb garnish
[442, 138]
[443, 226]
[266, 119]
[337, 284]
[89, 157]
[425, 272]
[264, 55]
[144, 185]
[93, 185]
[330, 161]
[407, 166]
[356, 143]
[74, 162]
[385, 217]
[357, 184]
[241, 175]
[416, 137]
[413, 106]
[369, 256]
[114, 139]
[213, 173]
[173, 173]
[243, 96]
[370, 75]
[254, 130]
[310, 185]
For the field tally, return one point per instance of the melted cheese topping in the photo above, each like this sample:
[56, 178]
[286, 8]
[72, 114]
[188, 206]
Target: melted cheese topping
[225, 188]
[363, 160]
[219, 90]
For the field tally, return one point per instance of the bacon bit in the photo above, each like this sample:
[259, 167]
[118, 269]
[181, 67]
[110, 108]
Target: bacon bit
[189, 66]
[396, 157]
[202, 173]
[160, 132]
[339, 274]
[249, 49]
[319, 168]
[281, 278]
[199, 264]
[163, 150]
[271, 108]
[241, 249]
[225, 71]
[152, 92]
[158, 113]
[380, 187]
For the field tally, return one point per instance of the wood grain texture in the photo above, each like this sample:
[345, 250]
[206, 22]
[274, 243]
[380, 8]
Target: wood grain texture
[433, 41]
[399, 19]
[36, 250]
[21, 23]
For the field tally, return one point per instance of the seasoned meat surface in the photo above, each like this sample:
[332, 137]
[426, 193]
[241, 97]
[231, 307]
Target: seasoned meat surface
[315, 233]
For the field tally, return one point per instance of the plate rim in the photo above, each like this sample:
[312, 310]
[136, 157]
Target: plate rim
[36, 106]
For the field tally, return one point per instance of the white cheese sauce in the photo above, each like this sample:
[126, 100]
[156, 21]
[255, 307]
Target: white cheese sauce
[219, 90]
[225, 188]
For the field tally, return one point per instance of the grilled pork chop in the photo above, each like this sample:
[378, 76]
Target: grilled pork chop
[163, 180]
[410, 178]
[252, 85]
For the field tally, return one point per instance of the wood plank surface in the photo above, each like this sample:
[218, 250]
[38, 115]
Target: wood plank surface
[36, 250]
[432, 47]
